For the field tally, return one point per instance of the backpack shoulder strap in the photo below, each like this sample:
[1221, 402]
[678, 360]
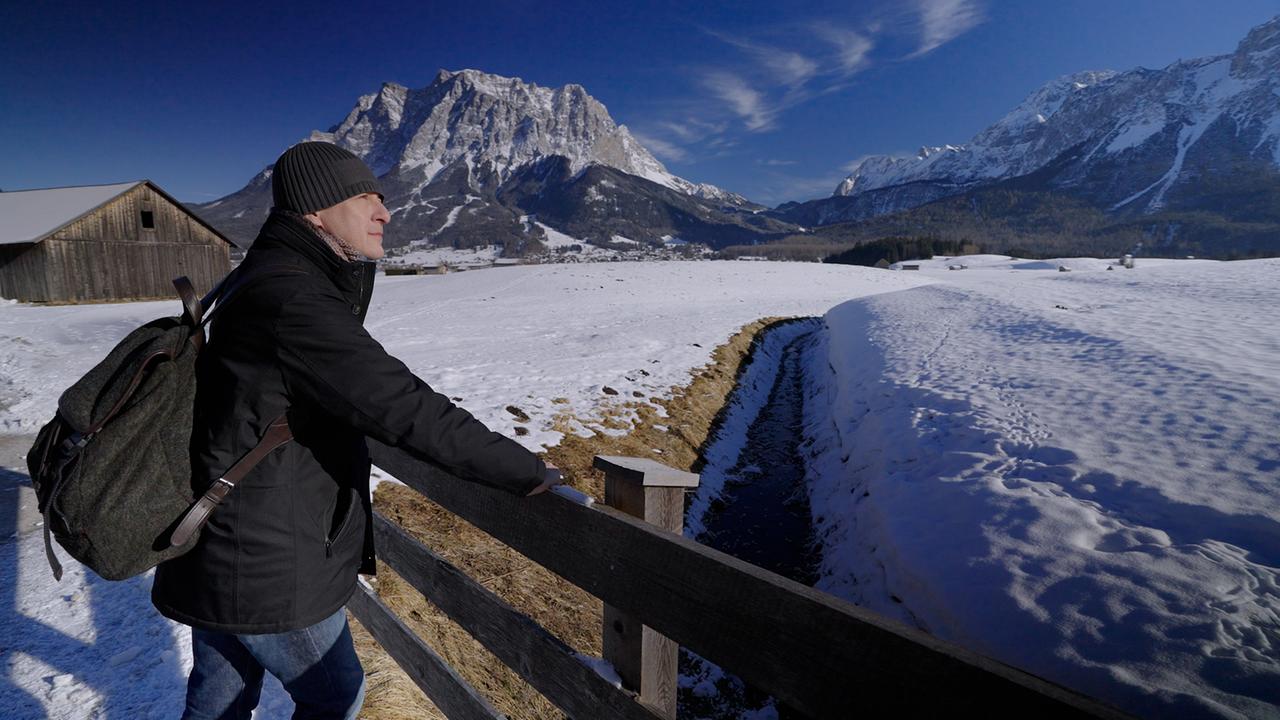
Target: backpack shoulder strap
[234, 283]
[192, 309]
[192, 306]
[277, 434]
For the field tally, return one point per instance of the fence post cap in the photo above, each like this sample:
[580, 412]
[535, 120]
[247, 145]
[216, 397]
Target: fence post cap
[646, 472]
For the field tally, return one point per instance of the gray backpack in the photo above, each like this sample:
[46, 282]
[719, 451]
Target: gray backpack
[112, 469]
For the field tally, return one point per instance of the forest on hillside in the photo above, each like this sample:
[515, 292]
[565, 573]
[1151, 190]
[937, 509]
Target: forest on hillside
[1033, 224]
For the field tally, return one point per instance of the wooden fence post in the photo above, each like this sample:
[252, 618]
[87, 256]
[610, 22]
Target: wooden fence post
[645, 660]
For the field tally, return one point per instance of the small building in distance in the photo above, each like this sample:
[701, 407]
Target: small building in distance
[403, 270]
[126, 241]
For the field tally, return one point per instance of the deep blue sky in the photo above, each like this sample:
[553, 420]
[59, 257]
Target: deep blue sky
[772, 100]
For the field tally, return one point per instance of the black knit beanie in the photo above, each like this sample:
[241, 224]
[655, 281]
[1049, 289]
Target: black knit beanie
[312, 176]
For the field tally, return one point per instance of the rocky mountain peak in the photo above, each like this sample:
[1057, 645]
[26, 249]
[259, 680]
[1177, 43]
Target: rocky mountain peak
[1262, 38]
[448, 153]
[491, 121]
[1259, 52]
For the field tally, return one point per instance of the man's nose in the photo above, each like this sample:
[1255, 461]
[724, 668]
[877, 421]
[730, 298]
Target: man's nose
[382, 215]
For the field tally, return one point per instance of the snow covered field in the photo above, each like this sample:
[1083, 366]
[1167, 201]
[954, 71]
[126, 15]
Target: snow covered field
[1073, 472]
[522, 336]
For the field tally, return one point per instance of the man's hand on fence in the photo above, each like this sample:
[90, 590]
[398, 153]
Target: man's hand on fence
[550, 480]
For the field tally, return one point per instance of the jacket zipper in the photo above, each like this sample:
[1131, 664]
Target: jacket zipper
[361, 301]
[342, 527]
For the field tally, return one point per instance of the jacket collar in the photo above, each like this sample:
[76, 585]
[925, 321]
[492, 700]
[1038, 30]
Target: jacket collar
[294, 235]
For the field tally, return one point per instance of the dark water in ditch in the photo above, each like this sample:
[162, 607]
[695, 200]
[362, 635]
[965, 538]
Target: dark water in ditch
[763, 515]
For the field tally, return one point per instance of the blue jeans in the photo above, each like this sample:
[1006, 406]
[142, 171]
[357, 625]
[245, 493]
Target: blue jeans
[317, 665]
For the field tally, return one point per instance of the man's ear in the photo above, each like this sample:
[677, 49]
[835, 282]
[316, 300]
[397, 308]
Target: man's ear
[315, 219]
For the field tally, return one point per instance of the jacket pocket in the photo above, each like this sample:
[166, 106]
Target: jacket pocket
[348, 519]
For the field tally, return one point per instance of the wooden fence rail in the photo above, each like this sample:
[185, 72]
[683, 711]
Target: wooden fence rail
[451, 694]
[813, 652]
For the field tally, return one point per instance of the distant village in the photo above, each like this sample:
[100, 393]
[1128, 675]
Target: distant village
[421, 259]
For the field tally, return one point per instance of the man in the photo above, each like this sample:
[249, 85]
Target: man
[264, 587]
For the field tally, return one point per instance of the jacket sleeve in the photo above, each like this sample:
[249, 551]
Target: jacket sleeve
[331, 361]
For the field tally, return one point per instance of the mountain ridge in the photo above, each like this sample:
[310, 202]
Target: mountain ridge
[1133, 142]
[443, 152]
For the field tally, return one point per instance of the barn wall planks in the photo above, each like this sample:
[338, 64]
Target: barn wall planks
[22, 273]
[79, 270]
[109, 254]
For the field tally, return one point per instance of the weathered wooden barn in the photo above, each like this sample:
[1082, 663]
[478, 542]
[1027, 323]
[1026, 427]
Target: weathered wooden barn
[104, 242]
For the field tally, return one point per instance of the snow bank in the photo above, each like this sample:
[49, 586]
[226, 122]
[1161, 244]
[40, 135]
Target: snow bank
[1074, 473]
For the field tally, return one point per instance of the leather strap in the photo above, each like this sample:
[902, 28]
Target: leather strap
[192, 310]
[191, 307]
[277, 434]
[128, 393]
[216, 293]
[54, 565]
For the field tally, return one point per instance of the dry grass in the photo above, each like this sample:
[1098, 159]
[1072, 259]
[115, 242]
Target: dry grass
[389, 693]
[676, 440]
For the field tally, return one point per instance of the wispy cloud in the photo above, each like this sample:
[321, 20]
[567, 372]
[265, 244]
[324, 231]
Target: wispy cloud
[778, 67]
[681, 130]
[852, 49]
[781, 187]
[663, 149]
[692, 128]
[785, 66]
[789, 67]
[746, 102]
[855, 163]
[782, 77]
[776, 163]
[942, 21]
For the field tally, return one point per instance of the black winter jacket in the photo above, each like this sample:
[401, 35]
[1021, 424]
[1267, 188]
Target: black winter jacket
[283, 550]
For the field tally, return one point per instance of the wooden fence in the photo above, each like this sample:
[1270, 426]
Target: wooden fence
[813, 652]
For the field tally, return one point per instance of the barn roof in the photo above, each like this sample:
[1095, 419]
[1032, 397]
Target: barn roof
[28, 216]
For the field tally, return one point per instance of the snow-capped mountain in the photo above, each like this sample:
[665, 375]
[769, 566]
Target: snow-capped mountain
[1132, 142]
[489, 120]
[444, 151]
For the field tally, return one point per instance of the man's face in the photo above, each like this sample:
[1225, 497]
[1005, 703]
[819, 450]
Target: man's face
[359, 221]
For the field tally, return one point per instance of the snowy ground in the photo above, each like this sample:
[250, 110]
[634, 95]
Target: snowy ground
[1076, 473]
[518, 336]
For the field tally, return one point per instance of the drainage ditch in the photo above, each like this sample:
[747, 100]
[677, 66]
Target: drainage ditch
[761, 511]
[762, 515]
